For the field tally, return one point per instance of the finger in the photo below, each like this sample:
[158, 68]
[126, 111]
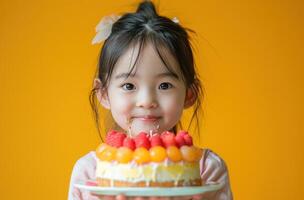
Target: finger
[182, 198]
[121, 197]
[139, 198]
[107, 197]
[197, 197]
[154, 198]
[90, 196]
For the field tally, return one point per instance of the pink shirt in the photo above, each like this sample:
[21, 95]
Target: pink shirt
[213, 169]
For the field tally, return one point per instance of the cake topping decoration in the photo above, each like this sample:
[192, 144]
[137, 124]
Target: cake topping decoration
[145, 148]
[142, 140]
[130, 143]
[115, 139]
[168, 138]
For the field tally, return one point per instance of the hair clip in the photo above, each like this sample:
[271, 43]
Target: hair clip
[104, 27]
[175, 20]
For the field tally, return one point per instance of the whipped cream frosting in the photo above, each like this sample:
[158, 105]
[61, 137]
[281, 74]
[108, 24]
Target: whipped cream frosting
[156, 172]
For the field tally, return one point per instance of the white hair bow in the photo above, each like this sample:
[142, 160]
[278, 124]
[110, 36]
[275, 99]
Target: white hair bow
[104, 27]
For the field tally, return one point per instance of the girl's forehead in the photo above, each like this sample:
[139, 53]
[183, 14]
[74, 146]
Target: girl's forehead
[147, 59]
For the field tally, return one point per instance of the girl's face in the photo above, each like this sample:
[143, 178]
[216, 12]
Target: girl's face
[151, 98]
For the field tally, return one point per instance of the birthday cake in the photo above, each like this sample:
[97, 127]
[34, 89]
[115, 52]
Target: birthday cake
[158, 160]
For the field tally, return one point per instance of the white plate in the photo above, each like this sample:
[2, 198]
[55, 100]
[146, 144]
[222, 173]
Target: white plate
[150, 191]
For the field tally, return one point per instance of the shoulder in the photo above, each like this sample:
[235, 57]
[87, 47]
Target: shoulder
[213, 167]
[87, 159]
[85, 166]
[211, 158]
[83, 170]
[214, 170]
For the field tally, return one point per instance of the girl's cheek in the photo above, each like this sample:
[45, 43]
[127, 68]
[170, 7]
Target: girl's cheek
[172, 110]
[122, 104]
[126, 110]
[117, 98]
[173, 103]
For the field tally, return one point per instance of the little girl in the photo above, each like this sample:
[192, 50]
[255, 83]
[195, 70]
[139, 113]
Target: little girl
[146, 78]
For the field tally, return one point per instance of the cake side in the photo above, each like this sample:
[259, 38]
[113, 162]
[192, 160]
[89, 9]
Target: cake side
[168, 161]
[150, 173]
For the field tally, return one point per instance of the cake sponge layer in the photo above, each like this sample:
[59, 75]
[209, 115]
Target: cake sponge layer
[152, 172]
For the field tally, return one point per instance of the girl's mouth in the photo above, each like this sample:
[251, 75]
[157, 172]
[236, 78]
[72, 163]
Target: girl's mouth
[147, 118]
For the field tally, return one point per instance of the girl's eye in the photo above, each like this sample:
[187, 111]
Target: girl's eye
[165, 86]
[128, 86]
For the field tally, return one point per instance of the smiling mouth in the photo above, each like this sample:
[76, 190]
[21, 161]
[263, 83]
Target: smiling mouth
[147, 118]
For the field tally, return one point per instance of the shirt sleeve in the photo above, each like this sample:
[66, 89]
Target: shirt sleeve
[83, 170]
[214, 169]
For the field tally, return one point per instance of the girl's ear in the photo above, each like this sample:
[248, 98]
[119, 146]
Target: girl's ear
[102, 94]
[190, 98]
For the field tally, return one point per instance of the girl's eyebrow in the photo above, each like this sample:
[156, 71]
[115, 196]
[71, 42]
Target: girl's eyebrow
[168, 74]
[164, 74]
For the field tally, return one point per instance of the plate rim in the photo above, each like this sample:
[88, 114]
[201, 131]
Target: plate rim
[131, 191]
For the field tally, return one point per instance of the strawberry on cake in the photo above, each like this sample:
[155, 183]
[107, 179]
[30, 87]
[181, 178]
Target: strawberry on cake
[158, 160]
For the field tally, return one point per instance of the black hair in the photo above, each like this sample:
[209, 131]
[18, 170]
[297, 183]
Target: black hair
[140, 27]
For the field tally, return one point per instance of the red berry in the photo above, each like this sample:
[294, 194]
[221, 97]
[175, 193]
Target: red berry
[180, 141]
[111, 132]
[182, 133]
[129, 142]
[168, 139]
[115, 139]
[143, 134]
[142, 140]
[156, 140]
[188, 140]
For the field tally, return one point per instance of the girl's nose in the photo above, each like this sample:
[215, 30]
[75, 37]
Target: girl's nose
[146, 100]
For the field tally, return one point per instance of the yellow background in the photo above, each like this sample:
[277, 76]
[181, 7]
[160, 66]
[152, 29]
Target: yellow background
[249, 55]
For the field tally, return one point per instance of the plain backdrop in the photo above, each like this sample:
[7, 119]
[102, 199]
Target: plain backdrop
[249, 55]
